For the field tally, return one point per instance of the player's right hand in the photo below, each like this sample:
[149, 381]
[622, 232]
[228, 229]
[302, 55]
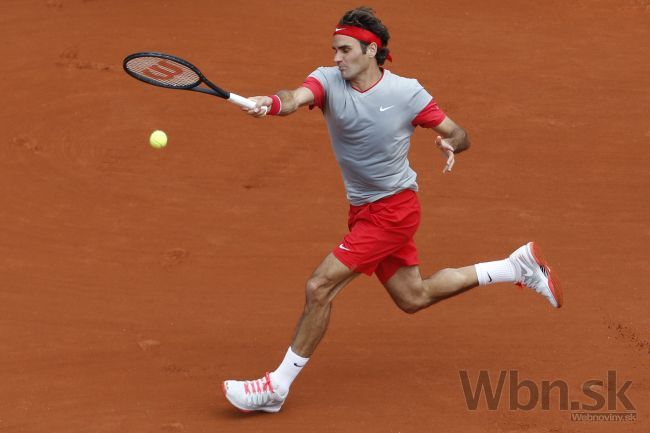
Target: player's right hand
[262, 105]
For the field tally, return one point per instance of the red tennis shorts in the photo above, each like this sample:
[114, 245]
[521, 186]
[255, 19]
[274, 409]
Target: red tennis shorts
[381, 236]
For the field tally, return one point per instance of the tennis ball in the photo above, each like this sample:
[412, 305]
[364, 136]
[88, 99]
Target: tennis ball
[158, 139]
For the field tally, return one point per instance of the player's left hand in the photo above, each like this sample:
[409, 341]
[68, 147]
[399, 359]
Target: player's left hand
[448, 151]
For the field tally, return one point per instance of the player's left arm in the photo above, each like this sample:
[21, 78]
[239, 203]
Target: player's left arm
[453, 135]
[452, 139]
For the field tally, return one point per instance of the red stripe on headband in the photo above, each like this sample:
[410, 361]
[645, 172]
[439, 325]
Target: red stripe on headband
[361, 35]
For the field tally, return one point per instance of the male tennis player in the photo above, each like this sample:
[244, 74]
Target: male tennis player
[371, 114]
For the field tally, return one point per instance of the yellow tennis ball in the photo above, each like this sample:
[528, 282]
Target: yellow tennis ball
[158, 139]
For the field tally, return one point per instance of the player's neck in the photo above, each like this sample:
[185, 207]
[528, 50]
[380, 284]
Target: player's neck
[367, 79]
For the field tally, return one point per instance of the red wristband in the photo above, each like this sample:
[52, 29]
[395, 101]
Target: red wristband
[276, 106]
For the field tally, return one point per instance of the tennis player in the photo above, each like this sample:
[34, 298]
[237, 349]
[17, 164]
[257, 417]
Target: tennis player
[371, 114]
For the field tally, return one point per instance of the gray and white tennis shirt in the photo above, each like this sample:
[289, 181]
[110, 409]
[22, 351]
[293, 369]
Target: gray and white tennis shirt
[370, 131]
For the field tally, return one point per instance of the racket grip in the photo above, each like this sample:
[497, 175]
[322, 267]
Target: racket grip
[243, 102]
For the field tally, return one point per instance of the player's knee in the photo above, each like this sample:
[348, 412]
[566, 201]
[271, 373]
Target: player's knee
[317, 291]
[413, 305]
[413, 299]
[408, 307]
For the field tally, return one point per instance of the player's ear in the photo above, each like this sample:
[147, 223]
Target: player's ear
[371, 51]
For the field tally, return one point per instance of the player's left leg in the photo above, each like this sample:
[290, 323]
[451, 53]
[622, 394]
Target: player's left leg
[412, 293]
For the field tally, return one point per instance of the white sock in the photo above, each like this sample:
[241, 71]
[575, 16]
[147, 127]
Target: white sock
[500, 271]
[289, 369]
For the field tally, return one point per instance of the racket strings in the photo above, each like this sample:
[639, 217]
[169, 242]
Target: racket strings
[164, 72]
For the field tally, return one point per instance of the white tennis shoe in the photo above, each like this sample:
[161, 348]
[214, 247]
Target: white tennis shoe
[533, 272]
[255, 395]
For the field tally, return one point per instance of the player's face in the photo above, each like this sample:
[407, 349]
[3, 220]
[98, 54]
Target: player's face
[349, 58]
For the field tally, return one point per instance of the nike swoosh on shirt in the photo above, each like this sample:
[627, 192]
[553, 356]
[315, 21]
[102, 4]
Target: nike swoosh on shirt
[382, 108]
[343, 248]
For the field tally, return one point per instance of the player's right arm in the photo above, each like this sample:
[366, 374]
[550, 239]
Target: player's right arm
[290, 101]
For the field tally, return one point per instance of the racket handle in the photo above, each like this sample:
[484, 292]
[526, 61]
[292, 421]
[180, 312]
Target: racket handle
[243, 102]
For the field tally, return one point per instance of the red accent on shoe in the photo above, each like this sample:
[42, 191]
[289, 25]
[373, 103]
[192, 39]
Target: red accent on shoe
[268, 382]
[256, 385]
[553, 282]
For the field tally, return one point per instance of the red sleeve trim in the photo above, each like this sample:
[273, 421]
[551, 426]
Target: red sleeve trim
[316, 88]
[430, 116]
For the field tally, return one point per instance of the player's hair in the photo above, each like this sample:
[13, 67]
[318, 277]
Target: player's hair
[365, 18]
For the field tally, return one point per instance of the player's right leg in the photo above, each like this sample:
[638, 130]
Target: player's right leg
[269, 393]
[323, 285]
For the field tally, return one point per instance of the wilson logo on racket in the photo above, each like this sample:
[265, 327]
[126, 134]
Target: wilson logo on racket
[157, 72]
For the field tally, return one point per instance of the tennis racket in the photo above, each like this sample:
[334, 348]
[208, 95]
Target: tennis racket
[171, 72]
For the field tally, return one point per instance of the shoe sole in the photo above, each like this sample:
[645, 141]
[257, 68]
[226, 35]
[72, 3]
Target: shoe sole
[553, 281]
[225, 393]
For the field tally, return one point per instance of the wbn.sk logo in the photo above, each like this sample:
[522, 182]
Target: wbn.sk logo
[526, 395]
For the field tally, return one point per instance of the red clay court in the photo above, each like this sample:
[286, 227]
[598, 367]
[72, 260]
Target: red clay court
[133, 281]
